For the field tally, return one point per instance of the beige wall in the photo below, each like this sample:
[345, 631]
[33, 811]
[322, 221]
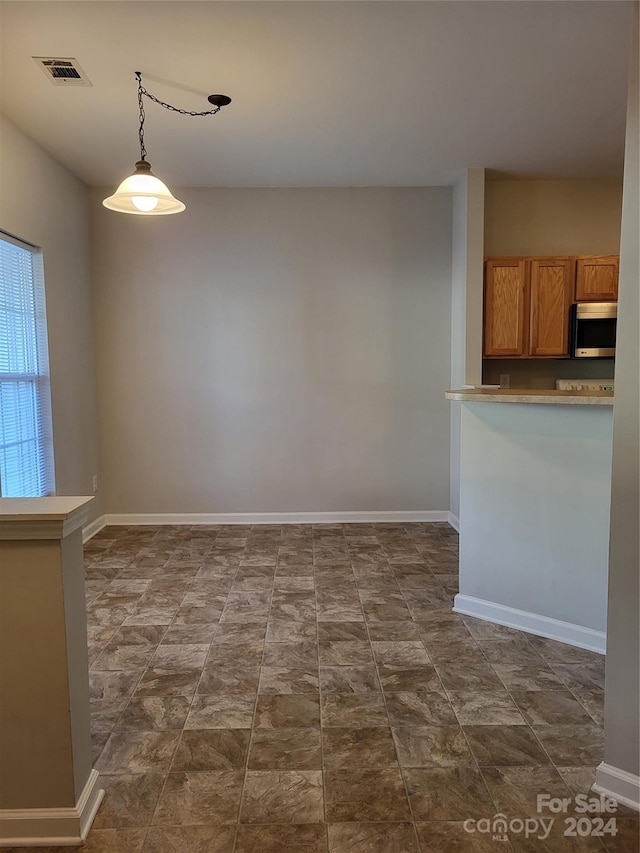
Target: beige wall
[553, 217]
[466, 303]
[42, 203]
[276, 351]
[622, 711]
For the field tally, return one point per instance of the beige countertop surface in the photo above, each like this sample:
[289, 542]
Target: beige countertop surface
[42, 518]
[53, 508]
[531, 395]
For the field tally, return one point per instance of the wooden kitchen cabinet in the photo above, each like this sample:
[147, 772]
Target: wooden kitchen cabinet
[551, 294]
[526, 307]
[597, 279]
[506, 298]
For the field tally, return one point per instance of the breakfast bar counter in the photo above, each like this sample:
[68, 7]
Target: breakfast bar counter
[535, 486]
[531, 395]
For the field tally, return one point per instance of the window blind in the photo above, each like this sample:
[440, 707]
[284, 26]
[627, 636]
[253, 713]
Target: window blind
[26, 445]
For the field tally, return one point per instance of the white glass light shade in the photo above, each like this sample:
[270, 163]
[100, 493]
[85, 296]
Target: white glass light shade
[143, 194]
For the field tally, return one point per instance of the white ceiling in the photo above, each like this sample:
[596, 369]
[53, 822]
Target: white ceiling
[325, 93]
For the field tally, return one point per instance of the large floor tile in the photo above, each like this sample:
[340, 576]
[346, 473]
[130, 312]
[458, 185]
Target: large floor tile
[129, 799]
[195, 839]
[280, 689]
[282, 796]
[366, 795]
[448, 793]
[197, 797]
[281, 838]
[500, 746]
[138, 752]
[285, 749]
[372, 838]
[361, 747]
[212, 749]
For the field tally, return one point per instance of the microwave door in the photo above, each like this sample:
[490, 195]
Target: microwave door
[595, 337]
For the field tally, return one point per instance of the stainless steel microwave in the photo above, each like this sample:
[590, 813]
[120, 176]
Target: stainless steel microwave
[593, 329]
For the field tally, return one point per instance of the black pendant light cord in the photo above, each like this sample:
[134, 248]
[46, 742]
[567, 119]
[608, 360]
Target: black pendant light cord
[219, 100]
[143, 150]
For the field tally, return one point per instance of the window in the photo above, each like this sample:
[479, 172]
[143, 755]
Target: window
[26, 446]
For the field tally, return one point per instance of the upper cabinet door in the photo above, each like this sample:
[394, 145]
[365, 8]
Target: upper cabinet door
[505, 307]
[551, 286]
[597, 279]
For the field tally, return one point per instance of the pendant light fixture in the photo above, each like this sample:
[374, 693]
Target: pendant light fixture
[142, 193]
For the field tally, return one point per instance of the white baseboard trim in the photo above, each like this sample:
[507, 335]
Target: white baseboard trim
[618, 784]
[90, 530]
[532, 623]
[454, 521]
[277, 517]
[52, 827]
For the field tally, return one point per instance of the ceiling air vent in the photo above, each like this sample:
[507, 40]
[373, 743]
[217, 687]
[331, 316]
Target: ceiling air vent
[63, 71]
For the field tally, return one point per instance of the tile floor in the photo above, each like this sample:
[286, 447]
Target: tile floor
[307, 689]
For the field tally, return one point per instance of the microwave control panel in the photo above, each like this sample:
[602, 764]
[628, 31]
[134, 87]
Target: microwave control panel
[584, 384]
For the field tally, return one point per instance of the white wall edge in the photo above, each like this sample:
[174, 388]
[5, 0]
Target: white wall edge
[90, 530]
[398, 516]
[60, 827]
[89, 803]
[454, 521]
[618, 784]
[532, 623]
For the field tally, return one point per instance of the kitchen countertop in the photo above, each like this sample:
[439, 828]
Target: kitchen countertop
[531, 395]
